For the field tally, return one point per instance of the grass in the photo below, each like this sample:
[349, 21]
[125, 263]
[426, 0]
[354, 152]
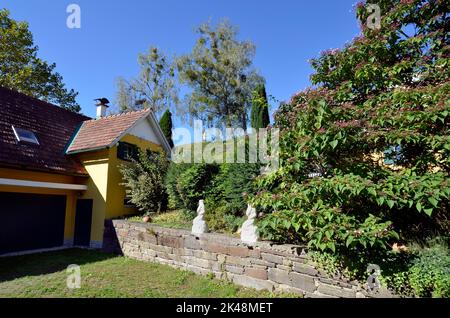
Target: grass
[173, 219]
[107, 275]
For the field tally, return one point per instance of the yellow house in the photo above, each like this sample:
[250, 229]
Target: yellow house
[59, 171]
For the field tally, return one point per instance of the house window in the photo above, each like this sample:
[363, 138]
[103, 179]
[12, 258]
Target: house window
[126, 151]
[25, 135]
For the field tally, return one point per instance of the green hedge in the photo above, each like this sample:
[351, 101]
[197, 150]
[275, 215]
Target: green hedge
[223, 187]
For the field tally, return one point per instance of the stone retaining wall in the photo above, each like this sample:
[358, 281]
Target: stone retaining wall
[285, 268]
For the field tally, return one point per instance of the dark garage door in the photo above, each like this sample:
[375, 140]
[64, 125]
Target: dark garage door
[31, 221]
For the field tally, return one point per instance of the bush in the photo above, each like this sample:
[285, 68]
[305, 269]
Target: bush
[144, 180]
[382, 96]
[428, 272]
[173, 173]
[173, 219]
[230, 186]
[422, 271]
[219, 220]
[223, 187]
[188, 183]
[365, 154]
[193, 183]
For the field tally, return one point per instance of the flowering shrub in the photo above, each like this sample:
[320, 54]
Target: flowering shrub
[388, 89]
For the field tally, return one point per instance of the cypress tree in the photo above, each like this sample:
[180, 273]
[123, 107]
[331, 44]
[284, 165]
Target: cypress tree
[259, 117]
[166, 126]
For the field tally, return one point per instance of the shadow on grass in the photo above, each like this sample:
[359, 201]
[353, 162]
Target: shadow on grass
[46, 263]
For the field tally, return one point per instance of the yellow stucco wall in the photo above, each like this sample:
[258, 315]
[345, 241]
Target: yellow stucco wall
[96, 164]
[71, 196]
[104, 185]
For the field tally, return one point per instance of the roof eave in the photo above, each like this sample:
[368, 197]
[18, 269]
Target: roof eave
[44, 170]
[73, 152]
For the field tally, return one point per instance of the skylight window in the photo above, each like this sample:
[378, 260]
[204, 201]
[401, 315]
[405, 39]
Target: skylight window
[25, 135]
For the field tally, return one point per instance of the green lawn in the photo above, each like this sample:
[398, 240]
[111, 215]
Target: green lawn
[106, 275]
[173, 219]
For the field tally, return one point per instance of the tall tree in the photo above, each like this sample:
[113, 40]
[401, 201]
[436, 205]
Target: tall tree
[22, 70]
[219, 71]
[154, 87]
[259, 117]
[166, 126]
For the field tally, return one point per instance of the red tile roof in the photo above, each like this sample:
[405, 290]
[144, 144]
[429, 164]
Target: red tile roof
[53, 126]
[103, 132]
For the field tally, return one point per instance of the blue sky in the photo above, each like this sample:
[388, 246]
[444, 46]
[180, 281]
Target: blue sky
[287, 33]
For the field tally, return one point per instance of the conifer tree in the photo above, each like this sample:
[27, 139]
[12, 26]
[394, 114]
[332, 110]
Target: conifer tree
[166, 125]
[259, 117]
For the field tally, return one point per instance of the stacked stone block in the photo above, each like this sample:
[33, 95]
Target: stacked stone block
[263, 265]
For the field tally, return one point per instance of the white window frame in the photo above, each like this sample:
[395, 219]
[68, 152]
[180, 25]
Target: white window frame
[21, 138]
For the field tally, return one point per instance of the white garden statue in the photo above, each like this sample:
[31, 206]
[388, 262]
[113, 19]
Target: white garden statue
[249, 232]
[199, 224]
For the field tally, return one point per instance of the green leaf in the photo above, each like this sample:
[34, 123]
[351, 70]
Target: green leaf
[419, 206]
[319, 236]
[331, 246]
[428, 211]
[372, 191]
[433, 201]
[334, 143]
[380, 200]
[390, 203]
[349, 240]
[322, 103]
[395, 235]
